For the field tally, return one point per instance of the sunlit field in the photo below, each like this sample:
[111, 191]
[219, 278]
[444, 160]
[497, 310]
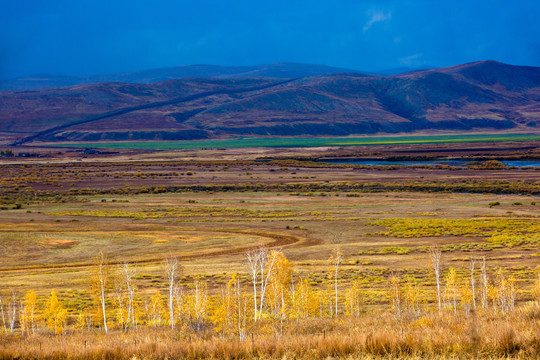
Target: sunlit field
[238, 180]
[384, 278]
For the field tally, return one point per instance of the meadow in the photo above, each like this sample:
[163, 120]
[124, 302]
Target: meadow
[379, 299]
[246, 142]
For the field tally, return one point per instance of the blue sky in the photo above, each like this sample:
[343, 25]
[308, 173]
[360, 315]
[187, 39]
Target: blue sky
[80, 37]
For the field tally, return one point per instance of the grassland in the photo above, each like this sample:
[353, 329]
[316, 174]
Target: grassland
[212, 231]
[302, 142]
[56, 218]
[52, 245]
[366, 337]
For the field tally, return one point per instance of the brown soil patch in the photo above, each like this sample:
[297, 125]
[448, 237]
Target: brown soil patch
[58, 243]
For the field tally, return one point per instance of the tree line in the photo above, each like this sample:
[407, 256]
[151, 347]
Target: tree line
[275, 297]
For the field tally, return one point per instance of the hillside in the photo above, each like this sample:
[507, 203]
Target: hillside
[478, 96]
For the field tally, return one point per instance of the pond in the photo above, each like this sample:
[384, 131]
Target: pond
[450, 162]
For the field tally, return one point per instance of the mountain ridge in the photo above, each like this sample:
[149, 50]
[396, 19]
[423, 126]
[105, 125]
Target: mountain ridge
[480, 96]
[276, 70]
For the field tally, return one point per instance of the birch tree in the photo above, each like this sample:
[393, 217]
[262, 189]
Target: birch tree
[3, 315]
[253, 259]
[466, 296]
[222, 315]
[335, 259]
[280, 280]
[128, 272]
[12, 311]
[452, 287]
[239, 308]
[411, 296]
[307, 303]
[22, 320]
[199, 304]
[83, 320]
[171, 271]
[179, 301]
[156, 311]
[120, 300]
[537, 286]
[353, 299]
[505, 292]
[436, 263]
[485, 284]
[28, 313]
[396, 295]
[100, 285]
[473, 261]
[260, 265]
[55, 314]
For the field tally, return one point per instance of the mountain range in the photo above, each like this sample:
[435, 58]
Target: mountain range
[279, 70]
[276, 100]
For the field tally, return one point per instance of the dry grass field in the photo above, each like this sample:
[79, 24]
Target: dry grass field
[50, 243]
[56, 219]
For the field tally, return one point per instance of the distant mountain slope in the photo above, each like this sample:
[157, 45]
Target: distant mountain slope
[477, 96]
[280, 70]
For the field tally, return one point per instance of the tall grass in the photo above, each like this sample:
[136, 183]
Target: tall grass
[370, 336]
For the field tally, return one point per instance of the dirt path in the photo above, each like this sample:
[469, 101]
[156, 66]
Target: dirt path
[277, 241]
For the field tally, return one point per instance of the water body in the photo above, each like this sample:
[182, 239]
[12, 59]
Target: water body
[452, 162]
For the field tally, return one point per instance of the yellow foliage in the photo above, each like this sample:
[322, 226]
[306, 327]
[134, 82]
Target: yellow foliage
[451, 291]
[55, 314]
[29, 315]
[537, 286]
[156, 311]
[279, 282]
[353, 298]
[306, 301]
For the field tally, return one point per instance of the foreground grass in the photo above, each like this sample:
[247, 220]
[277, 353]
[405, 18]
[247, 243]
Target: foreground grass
[48, 242]
[370, 336]
[302, 142]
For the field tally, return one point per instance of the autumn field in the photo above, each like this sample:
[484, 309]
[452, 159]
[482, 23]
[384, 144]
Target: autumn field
[344, 256]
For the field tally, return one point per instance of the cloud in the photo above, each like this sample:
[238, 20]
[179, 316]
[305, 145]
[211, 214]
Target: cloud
[411, 60]
[377, 16]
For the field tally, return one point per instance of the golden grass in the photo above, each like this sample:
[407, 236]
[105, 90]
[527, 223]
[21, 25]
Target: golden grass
[371, 336]
[43, 254]
[49, 244]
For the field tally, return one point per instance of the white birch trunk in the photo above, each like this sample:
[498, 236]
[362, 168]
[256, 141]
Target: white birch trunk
[436, 261]
[171, 268]
[473, 261]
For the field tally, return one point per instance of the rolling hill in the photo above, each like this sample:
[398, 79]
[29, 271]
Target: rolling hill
[485, 96]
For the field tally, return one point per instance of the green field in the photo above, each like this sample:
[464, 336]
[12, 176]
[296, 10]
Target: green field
[303, 142]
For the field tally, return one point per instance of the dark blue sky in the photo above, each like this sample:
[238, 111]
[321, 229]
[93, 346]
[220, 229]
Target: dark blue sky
[79, 37]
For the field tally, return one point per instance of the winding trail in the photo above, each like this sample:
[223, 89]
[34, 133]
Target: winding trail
[278, 240]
